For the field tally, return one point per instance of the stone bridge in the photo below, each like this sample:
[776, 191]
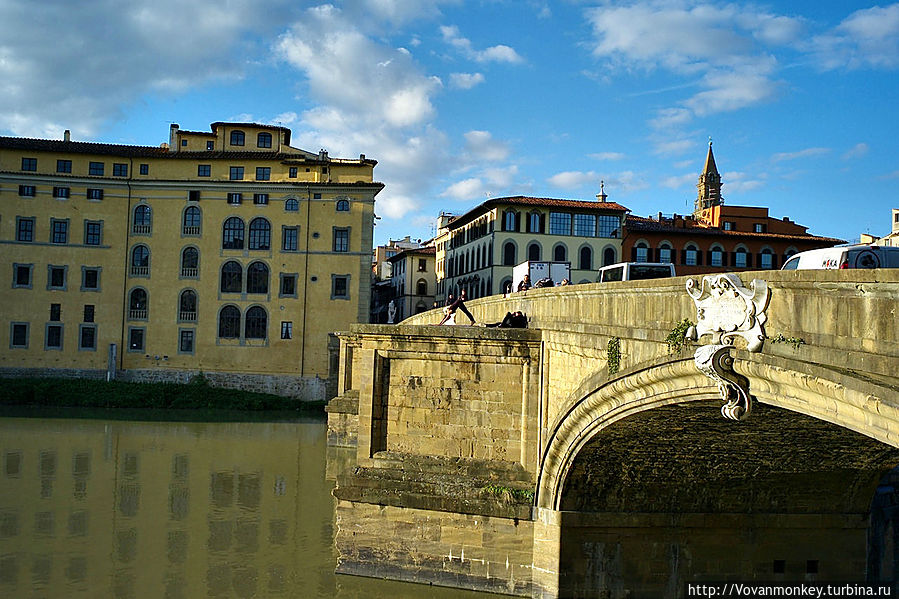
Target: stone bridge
[613, 449]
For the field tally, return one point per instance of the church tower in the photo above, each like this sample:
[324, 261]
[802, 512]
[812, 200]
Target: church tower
[709, 185]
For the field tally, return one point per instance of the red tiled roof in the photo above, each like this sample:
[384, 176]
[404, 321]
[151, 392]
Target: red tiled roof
[425, 251]
[641, 223]
[537, 202]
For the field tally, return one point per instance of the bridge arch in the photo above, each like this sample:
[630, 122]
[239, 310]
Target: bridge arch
[837, 397]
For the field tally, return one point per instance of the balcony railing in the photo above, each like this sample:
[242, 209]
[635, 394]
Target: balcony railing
[140, 229]
[140, 271]
[190, 273]
[186, 230]
[187, 316]
[137, 314]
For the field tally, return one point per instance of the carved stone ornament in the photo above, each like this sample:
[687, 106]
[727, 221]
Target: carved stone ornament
[716, 363]
[727, 310]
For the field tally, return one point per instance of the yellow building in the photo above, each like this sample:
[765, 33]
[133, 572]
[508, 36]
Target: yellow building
[227, 252]
[477, 250]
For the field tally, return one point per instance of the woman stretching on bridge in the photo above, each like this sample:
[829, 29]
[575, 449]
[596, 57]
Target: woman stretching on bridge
[449, 313]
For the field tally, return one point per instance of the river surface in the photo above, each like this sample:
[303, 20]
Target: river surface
[92, 505]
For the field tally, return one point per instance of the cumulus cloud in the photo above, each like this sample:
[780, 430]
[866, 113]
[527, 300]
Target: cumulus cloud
[856, 151]
[573, 179]
[466, 80]
[740, 182]
[482, 146]
[678, 181]
[608, 156]
[499, 53]
[83, 68]
[464, 190]
[868, 38]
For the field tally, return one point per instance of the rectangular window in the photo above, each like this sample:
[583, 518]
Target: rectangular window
[236, 173]
[193, 195]
[92, 232]
[53, 336]
[585, 225]
[288, 286]
[56, 277]
[290, 238]
[25, 229]
[96, 168]
[316, 196]
[260, 199]
[758, 228]
[730, 225]
[136, 339]
[186, 341]
[22, 275]
[286, 329]
[559, 223]
[18, 335]
[59, 231]
[27, 191]
[340, 287]
[90, 278]
[341, 240]
[63, 166]
[608, 226]
[88, 313]
[29, 164]
[204, 170]
[119, 169]
[87, 337]
[94, 193]
[235, 198]
[55, 312]
[292, 172]
[145, 169]
[62, 192]
[263, 173]
[422, 265]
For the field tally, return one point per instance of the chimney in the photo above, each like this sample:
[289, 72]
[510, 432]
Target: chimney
[67, 135]
[173, 136]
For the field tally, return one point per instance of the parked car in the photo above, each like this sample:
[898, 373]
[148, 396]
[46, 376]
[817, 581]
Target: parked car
[635, 271]
[845, 256]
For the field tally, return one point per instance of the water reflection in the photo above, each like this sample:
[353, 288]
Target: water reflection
[128, 509]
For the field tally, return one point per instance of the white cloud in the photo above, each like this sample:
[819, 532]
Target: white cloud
[739, 182]
[625, 182]
[573, 179]
[467, 189]
[866, 38]
[500, 53]
[482, 146]
[856, 151]
[676, 182]
[466, 80]
[673, 147]
[806, 153]
[671, 117]
[82, 64]
[400, 12]
[608, 156]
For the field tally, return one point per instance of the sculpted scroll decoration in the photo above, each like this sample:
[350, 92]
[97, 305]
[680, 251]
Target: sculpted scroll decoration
[731, 314]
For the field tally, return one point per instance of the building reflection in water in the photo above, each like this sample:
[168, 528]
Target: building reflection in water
[160, 509]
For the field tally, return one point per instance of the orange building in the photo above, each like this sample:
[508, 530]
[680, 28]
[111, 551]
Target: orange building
[716, 237]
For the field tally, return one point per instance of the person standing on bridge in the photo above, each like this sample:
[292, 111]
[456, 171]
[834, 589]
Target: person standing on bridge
[450, 310]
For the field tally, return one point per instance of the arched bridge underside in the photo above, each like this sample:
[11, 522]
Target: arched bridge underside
[589, 456]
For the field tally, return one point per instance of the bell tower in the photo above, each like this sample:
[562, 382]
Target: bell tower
[709, 185]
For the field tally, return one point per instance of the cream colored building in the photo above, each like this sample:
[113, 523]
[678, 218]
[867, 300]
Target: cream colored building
[891, 240]
[228, 252]
[413, 281]
[478, 250]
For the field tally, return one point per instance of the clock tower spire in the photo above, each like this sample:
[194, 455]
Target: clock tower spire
[709, 185]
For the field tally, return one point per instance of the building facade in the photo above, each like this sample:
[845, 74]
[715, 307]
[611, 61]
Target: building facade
[227, 252]
[717, 237]
[478, 250]
[889, 240]
[414, 281]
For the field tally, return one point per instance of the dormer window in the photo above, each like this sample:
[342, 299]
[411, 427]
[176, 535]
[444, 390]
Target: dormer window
[237, 138]
[264, 140]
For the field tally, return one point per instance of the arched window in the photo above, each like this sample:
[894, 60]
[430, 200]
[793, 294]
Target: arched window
[560, 253]
[766, 259]
[343, 206]
[641, 252]
[237, 137]
[137, 304]
[509, 254]
[665, 253]
[232, 277]
[535, 222]
[232, 234]
[291, 205]
[140, 261]
[510, 220]
[421, 288]
[190, 262]
[264, 140]
[229, 322]
[257, 278]
[256, 323]
[740, 258]
[187, 306]
[608, 256]
[586, 261]
[260, 234]
[143, 220]
[691, 256]
[533, 252]
[716, 256]
[190, 223]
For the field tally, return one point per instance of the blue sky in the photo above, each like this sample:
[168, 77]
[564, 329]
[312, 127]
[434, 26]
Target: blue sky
[461, 100]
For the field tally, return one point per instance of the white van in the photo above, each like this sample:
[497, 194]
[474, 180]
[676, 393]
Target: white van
[635, 271]
[845, 256]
